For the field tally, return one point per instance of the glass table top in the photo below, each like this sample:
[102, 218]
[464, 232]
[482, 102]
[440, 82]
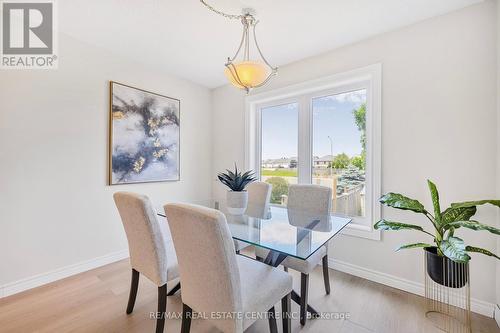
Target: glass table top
[294, 233]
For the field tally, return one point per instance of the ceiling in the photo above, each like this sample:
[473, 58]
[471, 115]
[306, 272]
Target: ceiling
[184, 38]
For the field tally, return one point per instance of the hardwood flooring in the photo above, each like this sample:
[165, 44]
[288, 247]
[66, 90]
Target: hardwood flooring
[95, 301]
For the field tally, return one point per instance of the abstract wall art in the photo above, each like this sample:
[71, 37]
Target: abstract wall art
[144, 136]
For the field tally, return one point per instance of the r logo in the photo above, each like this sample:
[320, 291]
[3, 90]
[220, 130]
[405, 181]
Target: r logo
[27, 28]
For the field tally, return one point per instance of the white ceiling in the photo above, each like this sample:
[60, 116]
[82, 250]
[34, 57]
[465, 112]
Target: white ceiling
[184, 38]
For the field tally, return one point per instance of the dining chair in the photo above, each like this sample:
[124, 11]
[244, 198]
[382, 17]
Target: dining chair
[311, 200]
[151, 249]
[216, 280]
[259, 197]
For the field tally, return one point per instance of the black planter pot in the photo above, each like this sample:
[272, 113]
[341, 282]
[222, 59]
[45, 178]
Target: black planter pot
[445, 271]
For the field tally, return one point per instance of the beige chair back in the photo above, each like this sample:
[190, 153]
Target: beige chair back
[311, 198]
[259, 197]
[207, 262]
[307, 203]
[146, 240]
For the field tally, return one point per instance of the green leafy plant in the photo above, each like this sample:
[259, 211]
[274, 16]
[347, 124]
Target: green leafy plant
[360, 120]
[280, 188]
[445, 223]
[236, 181]
[359, 161]
[341, 161]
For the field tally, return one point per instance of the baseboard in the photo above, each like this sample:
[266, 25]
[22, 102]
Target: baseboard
[61, 273]
[478, 306]
[485, 308]
[497, 314]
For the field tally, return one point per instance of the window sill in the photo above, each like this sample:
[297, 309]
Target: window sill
[361, 231]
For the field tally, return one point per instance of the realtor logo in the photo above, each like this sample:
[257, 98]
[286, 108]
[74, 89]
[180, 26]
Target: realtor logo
[28, 38]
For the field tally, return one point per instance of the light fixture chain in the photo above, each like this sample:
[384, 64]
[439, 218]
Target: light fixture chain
[229, 16]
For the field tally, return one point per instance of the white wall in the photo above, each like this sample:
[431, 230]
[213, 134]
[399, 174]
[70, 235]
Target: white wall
[55, 206]
[439, 122]
[498, 151]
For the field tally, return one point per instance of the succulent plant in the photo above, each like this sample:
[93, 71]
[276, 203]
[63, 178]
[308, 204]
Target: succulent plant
[236, 181]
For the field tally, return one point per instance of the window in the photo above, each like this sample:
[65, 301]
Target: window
[339, 149]
[324, 132]
[279, 126]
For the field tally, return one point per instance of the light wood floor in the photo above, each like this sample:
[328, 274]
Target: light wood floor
[95, 301]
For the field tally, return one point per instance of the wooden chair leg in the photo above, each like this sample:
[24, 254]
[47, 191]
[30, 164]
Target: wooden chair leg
[187, 314]
[162, 308]
[286, 306]
[273, 326]
[304, 286]
[326, 274]
[174, 289]
[134, 284]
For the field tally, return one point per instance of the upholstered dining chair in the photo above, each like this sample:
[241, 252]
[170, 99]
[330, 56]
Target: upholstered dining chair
[310, 200]
[151, 249]
[216, 280]
[259, 197]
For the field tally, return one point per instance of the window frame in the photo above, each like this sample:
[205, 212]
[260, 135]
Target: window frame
[369, 78]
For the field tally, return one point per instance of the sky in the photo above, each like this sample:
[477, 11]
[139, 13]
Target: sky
[332, 116]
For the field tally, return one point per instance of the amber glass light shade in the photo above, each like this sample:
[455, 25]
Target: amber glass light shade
[247, 74]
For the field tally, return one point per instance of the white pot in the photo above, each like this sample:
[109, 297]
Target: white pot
[237, 202]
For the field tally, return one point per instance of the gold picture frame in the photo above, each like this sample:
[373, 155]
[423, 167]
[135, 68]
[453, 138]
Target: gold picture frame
[144, 136]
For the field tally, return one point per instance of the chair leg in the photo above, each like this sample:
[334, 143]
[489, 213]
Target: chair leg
[162, 308]
[304, 286]
[326, 274]
[273, 326]
[134, 284]
[286, 306]
[174, 289]
[187, 314]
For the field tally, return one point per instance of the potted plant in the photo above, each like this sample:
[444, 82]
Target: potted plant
[449, 253]
[237, 196]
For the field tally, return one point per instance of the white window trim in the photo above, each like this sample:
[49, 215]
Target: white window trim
[369, 77]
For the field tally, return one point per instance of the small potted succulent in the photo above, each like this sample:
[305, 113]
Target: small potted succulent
[448, 254]
[237, 196]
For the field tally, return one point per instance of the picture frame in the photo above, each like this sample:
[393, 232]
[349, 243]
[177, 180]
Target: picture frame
[144, 136]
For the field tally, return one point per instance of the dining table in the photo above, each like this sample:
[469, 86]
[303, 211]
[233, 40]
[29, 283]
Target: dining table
[285, 233]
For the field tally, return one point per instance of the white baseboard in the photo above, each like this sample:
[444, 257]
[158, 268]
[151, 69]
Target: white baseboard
[60, 273]
[478, 306]
[497, 314]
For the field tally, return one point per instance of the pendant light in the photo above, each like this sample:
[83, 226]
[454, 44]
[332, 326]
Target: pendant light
[241, 70]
